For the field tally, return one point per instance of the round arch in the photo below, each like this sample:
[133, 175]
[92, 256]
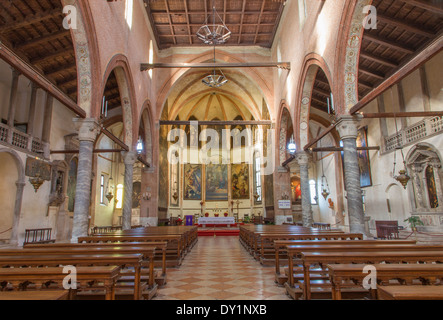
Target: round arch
[87, 57]
[120, 65]
[313, 63]
[348, 54]
[20, 183]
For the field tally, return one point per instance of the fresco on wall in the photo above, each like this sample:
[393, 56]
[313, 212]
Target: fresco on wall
[295, 190]
[163, 168]
[216, 182]
[192, 177]
[240, 181]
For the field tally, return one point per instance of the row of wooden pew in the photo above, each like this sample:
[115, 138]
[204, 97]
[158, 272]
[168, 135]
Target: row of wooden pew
[332, 264]
[128, 264]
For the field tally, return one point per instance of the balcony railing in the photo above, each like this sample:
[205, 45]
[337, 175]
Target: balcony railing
[414, 133]
[24, 142]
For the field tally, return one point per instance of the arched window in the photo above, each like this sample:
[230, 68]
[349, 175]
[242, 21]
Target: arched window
[119, 196]
[258, 194]
[313, 190]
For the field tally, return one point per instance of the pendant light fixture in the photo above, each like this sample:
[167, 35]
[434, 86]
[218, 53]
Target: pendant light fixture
[217, 33]
[324, 183]
[403, 176]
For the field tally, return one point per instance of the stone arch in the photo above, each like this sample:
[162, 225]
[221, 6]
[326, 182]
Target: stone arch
[20, 184]
[87, 57]
[146, 120]
[284, 132]
[313, 63]
[119, 64]
[347, 59]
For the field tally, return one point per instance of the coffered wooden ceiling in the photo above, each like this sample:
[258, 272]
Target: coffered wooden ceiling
[34, 31]
[252, 22]
[404, 27]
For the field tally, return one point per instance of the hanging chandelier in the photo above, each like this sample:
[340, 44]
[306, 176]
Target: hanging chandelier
[324, 183]
[403, 176]
[215, 80]
[217, 33]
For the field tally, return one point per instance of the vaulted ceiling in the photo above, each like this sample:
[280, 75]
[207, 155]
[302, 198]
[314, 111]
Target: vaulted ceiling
[252, 22]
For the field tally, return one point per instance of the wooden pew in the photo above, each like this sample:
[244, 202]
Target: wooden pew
[281, 245]
[159, 246]
[349, 275]
[148, 253]
[170, 239]
[22, 278]
[268, 245]
[34, 295]
[52, 260]
[414, 255]
[410, 292]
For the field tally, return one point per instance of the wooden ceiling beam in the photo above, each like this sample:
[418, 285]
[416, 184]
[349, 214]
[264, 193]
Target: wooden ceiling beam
[435, 6]
[241, 20]
[43, 39]
[187, 21]
[372, 73]
[148, 66]
[388, 43]
[383, 61]
[31, 19]
[68, 68]
[52, 56]
[31, 73]
[406, 26]
[259, 21]
[170, 21]
[434, 47]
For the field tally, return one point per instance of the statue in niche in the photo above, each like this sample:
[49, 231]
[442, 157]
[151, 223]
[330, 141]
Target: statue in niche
[432, 189]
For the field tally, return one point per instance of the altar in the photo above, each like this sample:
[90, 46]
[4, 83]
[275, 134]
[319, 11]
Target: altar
[216, 221]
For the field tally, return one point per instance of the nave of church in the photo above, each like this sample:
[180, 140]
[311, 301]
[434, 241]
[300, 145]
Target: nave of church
[172, 149]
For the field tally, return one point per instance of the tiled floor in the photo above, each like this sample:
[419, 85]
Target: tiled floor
[219, 268]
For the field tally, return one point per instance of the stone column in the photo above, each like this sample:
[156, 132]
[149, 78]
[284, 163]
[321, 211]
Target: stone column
[347, 127]
[17, 210]
[303, 158]
[88, 130]
[13, 97]
[47, 120]
[129, 159]
[32, 105]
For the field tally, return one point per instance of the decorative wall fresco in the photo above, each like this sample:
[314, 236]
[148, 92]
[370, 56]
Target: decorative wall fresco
[192, 177]
[240, 181]
[216, 182]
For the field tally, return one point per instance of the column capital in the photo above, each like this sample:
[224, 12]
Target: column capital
[88, 129]
[303, 158]
[347, 126]
[129, 157]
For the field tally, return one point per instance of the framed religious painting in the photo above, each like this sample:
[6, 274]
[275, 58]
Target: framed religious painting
[216, 182]
[192, 178]
[240, 181]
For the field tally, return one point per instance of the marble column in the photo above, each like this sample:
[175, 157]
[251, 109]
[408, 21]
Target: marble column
[88, 130]
[347, 127]
[129, 159]
[303, 158]
[17, 210]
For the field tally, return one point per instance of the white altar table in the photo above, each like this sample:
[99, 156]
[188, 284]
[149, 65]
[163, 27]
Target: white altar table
[216, 221]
